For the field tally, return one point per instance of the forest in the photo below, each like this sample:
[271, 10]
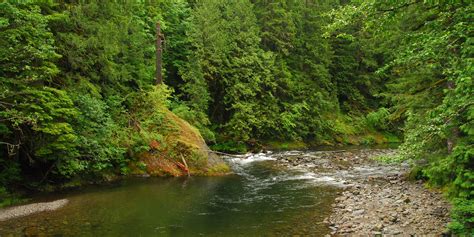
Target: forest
[79, 100]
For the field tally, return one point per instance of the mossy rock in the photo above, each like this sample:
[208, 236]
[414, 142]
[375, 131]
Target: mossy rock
[185, 153]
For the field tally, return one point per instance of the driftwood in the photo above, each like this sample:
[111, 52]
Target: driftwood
[185, 165]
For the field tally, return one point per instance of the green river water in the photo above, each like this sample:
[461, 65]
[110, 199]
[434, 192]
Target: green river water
[260, 199]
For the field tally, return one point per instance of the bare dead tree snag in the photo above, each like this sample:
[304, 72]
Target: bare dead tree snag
[159, 50]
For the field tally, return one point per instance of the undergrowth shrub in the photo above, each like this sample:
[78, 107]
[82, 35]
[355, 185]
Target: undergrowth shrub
[378, 119]
[195, 118]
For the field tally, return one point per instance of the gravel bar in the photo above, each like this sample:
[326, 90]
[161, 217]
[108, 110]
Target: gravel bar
[25, 210]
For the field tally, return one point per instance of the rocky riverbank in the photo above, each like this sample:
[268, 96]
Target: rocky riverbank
[396, 207]
[377, 199]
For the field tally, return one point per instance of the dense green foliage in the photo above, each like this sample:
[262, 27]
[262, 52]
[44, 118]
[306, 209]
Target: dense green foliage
[71, 77]
[438, 100]
[429, 67]
[77, 97]
[260, 71]
[259, 75]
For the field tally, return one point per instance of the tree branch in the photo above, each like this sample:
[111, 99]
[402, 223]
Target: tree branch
[399, 7]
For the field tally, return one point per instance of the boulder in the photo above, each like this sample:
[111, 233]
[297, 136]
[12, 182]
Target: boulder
[182, 152]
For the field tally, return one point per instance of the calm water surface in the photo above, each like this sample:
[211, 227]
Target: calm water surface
[261, 199]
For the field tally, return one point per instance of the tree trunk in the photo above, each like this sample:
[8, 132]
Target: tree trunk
[159, 39]
[454, 133]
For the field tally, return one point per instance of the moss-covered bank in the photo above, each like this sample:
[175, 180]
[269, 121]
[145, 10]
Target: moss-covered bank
[182, 152]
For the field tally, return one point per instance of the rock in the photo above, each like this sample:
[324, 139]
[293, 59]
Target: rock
[183, 142]
[378, 227]
[348, 225]
[396, 232]
[358, 212]
[31, 231]
[439, 211]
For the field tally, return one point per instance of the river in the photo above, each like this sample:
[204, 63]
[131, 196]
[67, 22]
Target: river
[262, 197]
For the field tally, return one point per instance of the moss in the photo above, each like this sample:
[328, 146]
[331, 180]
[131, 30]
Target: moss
[220, 169]
[391, 138]
[159, 166]
[367, 138]
[380, 138]
[182, 151]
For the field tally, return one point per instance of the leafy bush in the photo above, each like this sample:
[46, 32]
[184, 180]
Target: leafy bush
[389, 159]
[462, 215]
[8, 199]
[230, 146]
[9, 172]
[98, 140]
[195, 118]
[378, 119]
[146, 122]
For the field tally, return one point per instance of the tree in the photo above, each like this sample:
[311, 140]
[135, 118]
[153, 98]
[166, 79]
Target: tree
[228, 70]
[430, 66]
[35, 119]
